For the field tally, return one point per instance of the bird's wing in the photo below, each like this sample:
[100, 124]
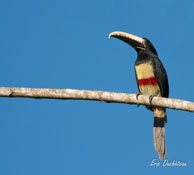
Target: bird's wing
[161, 77]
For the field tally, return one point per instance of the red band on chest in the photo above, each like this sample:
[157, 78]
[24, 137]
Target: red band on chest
[147, 81]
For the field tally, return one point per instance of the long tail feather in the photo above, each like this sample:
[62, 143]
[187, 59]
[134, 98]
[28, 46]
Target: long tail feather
[159, 132]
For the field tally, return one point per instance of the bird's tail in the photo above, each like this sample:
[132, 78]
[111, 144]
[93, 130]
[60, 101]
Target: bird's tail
[160, 119]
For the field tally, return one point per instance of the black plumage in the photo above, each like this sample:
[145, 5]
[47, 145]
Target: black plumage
[152, 80]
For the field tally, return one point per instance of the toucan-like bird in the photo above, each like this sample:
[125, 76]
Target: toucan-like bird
[152, 80]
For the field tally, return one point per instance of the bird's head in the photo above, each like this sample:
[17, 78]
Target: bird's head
[138, 43]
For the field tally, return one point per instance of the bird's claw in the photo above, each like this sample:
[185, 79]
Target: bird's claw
[137, 95]
[151, 98]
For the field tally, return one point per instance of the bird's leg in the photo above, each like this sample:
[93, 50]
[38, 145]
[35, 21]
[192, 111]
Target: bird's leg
[137, 95]
[151, 98]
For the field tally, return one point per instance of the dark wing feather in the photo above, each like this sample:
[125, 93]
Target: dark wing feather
[161, 77]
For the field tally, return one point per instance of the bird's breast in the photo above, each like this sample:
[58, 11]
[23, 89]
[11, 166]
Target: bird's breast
[146, 79]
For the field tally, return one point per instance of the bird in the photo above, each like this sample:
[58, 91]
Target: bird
[152, 80]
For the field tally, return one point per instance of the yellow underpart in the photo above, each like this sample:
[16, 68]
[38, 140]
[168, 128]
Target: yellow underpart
[149, 90]
[144, 70]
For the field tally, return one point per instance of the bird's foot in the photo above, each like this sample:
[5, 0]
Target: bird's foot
[151, 98]
[137, 95]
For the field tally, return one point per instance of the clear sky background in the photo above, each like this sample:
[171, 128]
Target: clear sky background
[64, 44]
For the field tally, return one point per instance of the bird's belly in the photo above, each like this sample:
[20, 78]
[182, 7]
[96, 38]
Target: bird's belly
[146, 80]
[149, 90]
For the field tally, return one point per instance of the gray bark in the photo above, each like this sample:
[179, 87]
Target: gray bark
[103, 96]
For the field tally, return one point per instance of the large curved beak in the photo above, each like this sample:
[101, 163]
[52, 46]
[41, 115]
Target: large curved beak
[134, 41]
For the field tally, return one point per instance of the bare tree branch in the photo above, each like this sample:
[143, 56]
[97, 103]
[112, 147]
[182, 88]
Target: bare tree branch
[103, 96]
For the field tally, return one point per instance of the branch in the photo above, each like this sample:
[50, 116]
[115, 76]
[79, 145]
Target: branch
[103, 96]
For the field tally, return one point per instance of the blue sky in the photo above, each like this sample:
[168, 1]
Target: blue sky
[64, 44]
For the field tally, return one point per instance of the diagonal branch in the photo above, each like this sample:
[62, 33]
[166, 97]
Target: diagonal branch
[103, 96]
